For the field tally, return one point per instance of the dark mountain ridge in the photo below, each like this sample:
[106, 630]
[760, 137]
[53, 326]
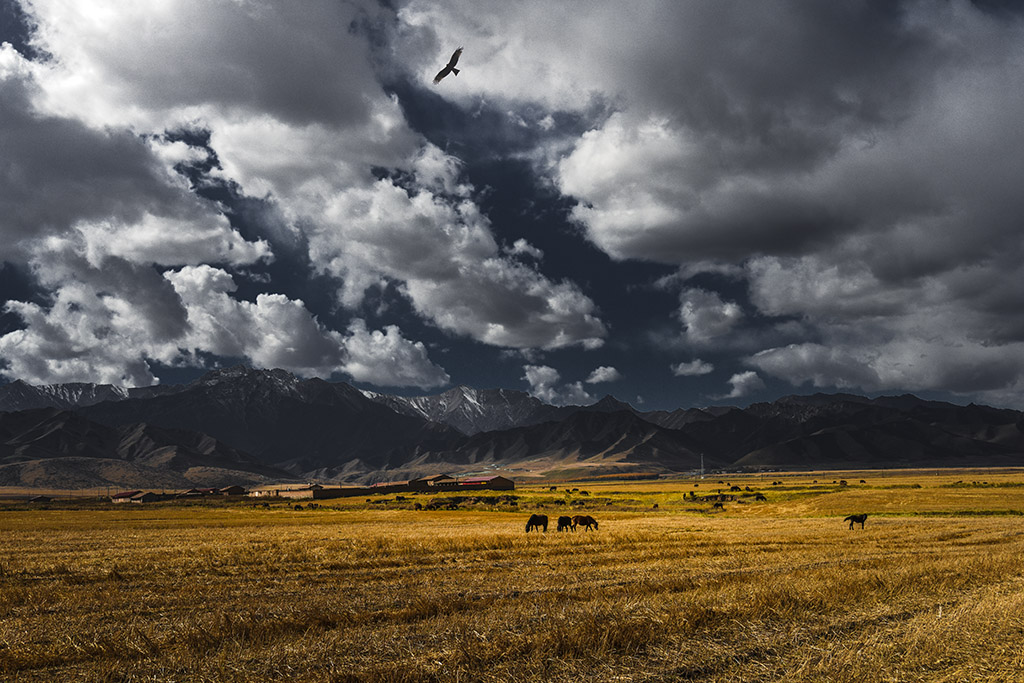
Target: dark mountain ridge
[473, 411]
[298, 425]
[582, 435]
[326, 430]
[60, 449]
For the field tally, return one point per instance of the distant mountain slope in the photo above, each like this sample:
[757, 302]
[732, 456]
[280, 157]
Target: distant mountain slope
[20, 395]
[472, 411]
[677, 419]
[326, 430]
[895, 444]
[619, 436]
[57, 448]
[841, 430]
[298, 425]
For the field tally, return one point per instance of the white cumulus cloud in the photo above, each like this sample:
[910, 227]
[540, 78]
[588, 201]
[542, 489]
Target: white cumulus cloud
[744, 384]
[545, 384]
[693, 368]
[706, 317]
[605, 373]
[386, 358]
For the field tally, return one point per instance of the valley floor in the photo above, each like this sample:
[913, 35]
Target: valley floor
[932, 589]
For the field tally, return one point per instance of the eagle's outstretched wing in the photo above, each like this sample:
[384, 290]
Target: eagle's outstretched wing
[450, 67]
[455, 59]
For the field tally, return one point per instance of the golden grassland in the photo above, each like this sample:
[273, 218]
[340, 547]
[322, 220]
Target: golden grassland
[931, 590]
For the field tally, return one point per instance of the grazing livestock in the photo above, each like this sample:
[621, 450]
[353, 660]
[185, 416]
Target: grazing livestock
[564, 523]
[718, 506]
[586, 520]
[856, 519]
[536, 523]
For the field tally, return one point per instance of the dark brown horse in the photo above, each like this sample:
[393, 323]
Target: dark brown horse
[536, 523]
[564, 523]
[856, 519]
[586, 520]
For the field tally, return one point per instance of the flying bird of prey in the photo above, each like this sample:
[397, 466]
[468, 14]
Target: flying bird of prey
[450, 67]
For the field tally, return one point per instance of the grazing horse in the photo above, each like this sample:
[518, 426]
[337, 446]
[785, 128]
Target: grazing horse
[856, 519]
[586, 520]
[564, 523]
[536, 523]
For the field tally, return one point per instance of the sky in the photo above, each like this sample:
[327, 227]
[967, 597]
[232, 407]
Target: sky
[677, 202]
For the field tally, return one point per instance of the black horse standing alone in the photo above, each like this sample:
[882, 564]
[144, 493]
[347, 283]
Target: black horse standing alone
[856, 519]
[536, 523]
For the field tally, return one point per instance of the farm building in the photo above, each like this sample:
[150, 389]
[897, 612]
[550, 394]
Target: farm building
[123, 496]
[233, 490]
[389, 487]
[146, 497]
[495, 483]
[434, 481]
[317, 492]
[285, 490]
[437, 482]
[40, 499]
[303, 492]
[338, 492]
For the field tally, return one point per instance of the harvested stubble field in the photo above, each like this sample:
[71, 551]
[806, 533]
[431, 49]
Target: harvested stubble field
[931, 590]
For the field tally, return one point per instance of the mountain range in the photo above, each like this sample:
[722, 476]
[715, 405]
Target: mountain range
[54, 448]
[240, 425]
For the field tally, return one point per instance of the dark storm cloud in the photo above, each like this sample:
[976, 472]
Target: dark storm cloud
[57, 172]
[835, 185]
[772, 129]
[260, 125]
[822, 121]
[295, 66]
[155, 306]
[777, 84]
[857, 162]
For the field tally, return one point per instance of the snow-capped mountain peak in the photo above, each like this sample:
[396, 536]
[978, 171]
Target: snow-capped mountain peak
[470, 410]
